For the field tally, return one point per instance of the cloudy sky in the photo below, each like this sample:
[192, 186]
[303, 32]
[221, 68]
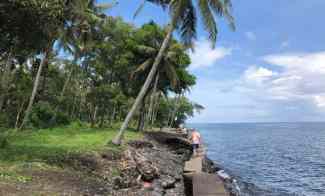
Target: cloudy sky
[272, 68]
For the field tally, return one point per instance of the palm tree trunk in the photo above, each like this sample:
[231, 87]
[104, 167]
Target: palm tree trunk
[173, 114]
[118, 138]
[152, 97]
[35, 88]
[141, 117]
[4, 81]
[65, 85]
[155, 110]
[102, 119]
[19, 114]
[94, 117]
[112, 118]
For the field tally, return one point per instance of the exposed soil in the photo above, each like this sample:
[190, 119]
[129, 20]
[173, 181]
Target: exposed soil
[153, 166]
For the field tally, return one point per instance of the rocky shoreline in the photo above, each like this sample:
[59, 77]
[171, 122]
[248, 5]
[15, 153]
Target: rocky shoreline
[154, 166]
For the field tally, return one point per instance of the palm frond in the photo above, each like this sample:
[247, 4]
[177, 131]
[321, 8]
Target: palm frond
[184, 14]
[170, 56]
[208, 21]
[101, 7]
[140, 68]
[146, 50]
[172, 75]
[222, 8]
[163, 3]
[227, 13]
[139, 9]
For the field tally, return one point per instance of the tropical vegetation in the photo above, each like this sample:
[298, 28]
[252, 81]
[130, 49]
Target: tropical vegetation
[74, 63]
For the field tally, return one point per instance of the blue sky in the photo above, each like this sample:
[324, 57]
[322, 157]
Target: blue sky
[272, 68]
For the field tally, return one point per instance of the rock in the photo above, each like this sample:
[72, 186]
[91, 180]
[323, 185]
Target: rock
[209, 166]
[117, 182]
[159, 159]
[168, 182]
[140, 144]
[148, 171]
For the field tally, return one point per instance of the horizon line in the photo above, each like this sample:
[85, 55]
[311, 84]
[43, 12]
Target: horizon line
[254, 122]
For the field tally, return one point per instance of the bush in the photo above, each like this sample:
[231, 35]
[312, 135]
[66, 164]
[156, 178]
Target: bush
[43, 116]
[3, 141]
[4, 121]
[61, 119]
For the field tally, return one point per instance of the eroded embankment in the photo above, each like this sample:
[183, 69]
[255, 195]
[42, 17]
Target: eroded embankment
[152, 166]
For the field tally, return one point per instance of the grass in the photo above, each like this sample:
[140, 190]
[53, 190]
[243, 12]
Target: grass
[13, 177]
[46, 144]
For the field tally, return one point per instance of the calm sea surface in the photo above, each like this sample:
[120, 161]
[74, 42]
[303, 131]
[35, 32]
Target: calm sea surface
[270, 158]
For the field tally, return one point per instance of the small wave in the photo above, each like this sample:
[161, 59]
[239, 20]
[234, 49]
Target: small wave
[238, 187]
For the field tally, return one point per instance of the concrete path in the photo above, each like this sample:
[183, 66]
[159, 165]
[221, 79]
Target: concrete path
[194, 165]
[204, 184]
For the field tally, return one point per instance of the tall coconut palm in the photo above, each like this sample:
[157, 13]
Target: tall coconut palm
[167, 76]
[183, 19]
[78, 12]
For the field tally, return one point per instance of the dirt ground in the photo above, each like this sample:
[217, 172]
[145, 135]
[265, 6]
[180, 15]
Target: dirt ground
[54, 182]
[74, 175]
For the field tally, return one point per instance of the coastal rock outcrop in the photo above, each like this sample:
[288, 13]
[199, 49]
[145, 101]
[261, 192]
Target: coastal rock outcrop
[154, 166]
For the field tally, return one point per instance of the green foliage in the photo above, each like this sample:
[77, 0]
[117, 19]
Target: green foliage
[4, 121]
[106, 63]
[50, 144]
[34, 24]
[182, 107]
[42, 116]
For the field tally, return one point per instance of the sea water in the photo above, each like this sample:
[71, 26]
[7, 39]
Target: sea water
[270, 159]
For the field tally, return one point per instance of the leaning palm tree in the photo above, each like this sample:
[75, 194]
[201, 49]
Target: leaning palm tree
[183, 19]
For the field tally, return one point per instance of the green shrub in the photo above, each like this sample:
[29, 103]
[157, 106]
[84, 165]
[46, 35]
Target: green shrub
[43, 116]
[61, 119]
[3, 141]
[4, 120]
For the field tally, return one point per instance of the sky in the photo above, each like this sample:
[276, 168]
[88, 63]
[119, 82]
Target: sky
[271, 69]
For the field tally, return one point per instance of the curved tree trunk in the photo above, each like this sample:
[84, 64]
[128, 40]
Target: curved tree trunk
[35, 88]
[118, 138]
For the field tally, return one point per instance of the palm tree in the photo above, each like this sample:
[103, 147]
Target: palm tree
[167, 72]
[81, 13]
[183, 18]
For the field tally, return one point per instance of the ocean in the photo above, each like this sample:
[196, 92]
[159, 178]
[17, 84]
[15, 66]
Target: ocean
[269, 159]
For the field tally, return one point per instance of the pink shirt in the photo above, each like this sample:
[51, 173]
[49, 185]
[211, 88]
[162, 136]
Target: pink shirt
[196, 137]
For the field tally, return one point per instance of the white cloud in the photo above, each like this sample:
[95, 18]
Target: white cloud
[258, 74]
[290, 87]
[205, 56]
[319, 100]
[311, 62]
[250, 35]
[301, 78]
